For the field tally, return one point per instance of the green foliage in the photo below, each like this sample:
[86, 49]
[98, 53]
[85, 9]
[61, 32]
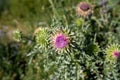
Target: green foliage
[87, 55]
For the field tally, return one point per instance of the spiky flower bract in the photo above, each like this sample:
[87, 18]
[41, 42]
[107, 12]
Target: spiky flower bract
[84, 9]
[112, 52]
[41, 36]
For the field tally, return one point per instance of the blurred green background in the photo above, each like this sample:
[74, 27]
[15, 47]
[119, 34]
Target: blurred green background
[25, 15]
[16, 13]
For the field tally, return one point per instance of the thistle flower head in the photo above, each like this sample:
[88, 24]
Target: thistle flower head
[84, 6]
[79, 21]
[60, 40]
[116, 54]
[17, 35]
[84, 9]
[93, 48]
[41, 36]
[113, 52]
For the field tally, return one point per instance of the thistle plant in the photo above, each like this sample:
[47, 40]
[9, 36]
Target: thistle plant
[74, 46]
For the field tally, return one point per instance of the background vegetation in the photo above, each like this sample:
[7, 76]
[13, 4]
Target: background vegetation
[27, 15]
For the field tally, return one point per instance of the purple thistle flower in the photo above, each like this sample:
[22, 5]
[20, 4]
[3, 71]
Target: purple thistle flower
[85, 6]
[116, 54]
[60, 40]
[84, 9]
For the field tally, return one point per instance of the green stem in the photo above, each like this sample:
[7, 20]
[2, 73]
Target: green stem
[53, 8]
